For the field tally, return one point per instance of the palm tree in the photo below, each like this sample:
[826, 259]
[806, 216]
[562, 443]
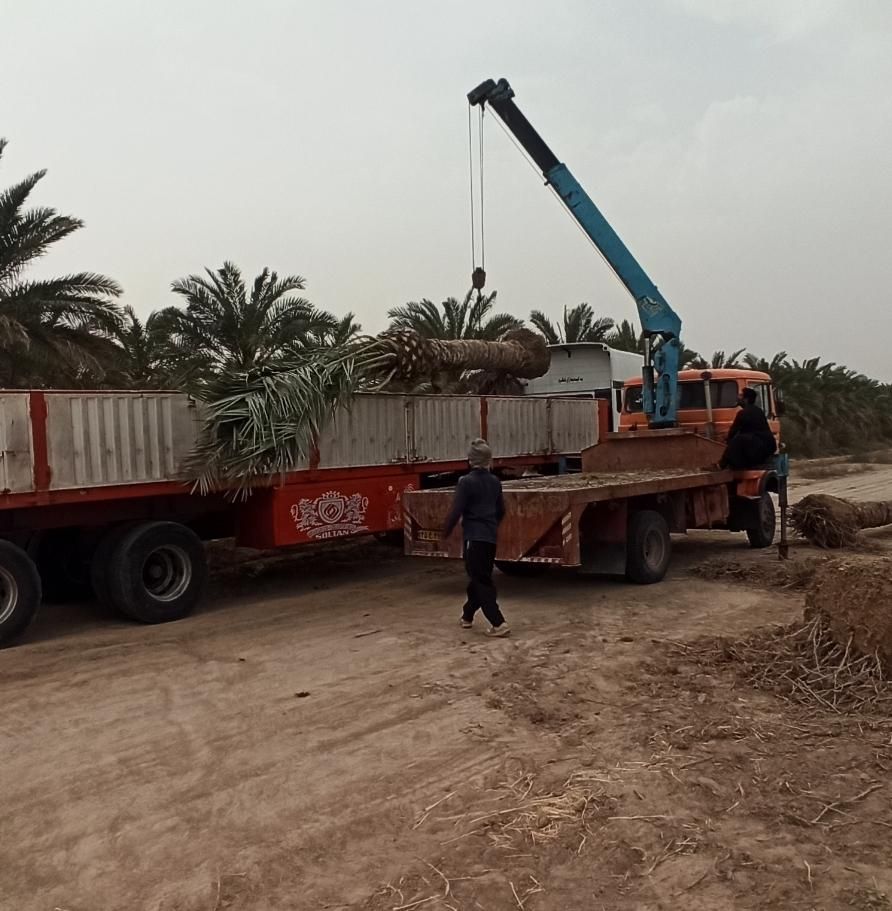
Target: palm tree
[340, 332]
[829, 408]
[143, 357]
[625, 337]
[225, 328]
[50, 329]
[579, 325]
[687, 357]
[470, 319]
[719, 360]
[771, 367]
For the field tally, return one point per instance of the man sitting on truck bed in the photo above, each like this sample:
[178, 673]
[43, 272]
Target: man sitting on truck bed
[750, 440]
[478, 503]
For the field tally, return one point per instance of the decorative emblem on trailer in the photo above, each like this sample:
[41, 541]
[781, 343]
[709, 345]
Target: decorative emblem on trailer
[395, 511]
[331, 515]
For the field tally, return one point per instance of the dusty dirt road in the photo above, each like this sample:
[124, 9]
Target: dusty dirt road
[854, 481]
[324, 736]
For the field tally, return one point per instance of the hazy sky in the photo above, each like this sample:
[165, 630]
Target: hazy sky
[743, 150]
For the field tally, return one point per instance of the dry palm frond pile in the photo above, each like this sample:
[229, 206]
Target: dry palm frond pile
[831, 522]
[806, 664]
[840, 655]
[263, 423]
[854, 599]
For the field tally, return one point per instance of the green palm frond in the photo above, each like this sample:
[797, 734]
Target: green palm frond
[544, 325]
[625, 337]
[454, 319]
[237, 330]
[51, 330]
[579, 324]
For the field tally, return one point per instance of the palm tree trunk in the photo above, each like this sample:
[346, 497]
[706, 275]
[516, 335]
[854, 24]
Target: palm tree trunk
[521, 353]
[832, 522]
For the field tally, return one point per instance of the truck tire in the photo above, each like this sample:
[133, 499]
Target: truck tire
[100, 565]
[762, 533]
[19, 591]
[63, 560]
[648, 548]
[522, 570]
[156, 573]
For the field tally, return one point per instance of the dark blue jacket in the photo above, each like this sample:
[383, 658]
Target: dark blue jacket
[478, 503]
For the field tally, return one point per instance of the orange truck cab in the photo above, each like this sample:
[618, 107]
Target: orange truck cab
[707, 401]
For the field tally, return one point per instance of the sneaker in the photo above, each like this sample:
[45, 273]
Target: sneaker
[466, 624]
[499, 631]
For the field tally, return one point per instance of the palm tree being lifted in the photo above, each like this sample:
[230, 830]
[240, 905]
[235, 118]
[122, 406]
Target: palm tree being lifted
[261, 421]
[579, 325]
[469, 326]
[50, 329]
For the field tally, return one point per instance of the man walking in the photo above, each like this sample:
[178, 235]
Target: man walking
[478, 503]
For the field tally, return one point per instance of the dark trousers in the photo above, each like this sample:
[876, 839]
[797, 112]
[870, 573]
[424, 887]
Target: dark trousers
[479, 559]
[748, 450]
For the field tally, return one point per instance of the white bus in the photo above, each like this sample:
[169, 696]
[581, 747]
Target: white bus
[588, 370]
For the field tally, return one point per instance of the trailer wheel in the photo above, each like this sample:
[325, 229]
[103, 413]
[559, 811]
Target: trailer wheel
[522, 570]
[648, 548]
[157, 572]
[762, 534]
[19, 591]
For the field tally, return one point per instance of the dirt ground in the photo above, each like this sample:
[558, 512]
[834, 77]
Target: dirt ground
[323, 735]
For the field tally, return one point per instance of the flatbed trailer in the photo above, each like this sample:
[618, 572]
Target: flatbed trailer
[608, 521]
[93, 499]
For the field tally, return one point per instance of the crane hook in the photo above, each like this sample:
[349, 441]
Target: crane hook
[478, 278]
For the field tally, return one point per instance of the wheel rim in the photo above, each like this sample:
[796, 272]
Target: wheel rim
[166, 573]
[654, 548]
[9, 594]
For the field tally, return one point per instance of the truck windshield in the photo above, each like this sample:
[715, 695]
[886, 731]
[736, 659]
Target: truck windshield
[691, 396]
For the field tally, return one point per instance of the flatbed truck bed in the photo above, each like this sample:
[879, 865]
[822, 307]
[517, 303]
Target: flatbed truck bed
[606, 522]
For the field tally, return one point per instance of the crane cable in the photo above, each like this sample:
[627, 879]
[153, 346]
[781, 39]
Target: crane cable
[478, 273]
[482, 233]
[471, 181]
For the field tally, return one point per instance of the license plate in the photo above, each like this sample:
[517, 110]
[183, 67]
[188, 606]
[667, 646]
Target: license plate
[426, 535]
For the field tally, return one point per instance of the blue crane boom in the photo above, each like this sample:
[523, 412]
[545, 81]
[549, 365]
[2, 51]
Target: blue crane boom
[660, 324]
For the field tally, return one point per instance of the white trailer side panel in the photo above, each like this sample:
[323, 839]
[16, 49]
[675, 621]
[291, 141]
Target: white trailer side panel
[442, 426]
[574, 425]
[16, 450]
[518, 426]
[372, 431]
[96, 439]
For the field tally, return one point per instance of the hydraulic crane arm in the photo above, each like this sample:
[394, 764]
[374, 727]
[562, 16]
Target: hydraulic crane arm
[660, 323]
